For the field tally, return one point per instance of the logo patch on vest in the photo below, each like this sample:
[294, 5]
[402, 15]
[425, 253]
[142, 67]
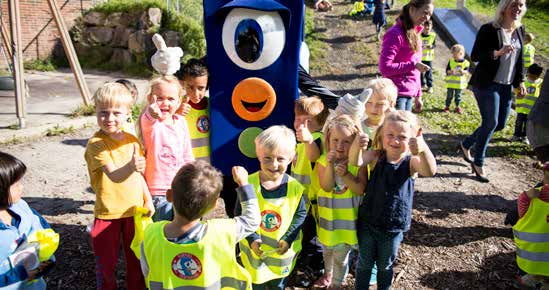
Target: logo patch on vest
[203, 124]
[186, 266]
[530, 90]
[270, 220]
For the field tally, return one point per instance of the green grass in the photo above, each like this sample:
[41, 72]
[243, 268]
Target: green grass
[312, 38]
[58, 130]
[40, 65]
[536, 19]
[450, 127]
[83, 110]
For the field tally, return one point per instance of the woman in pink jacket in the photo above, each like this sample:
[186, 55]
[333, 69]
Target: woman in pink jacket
[400, 58]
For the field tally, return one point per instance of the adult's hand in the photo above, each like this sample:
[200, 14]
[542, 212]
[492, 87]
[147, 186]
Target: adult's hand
[421, 67]
[508, 48]
[323, 5]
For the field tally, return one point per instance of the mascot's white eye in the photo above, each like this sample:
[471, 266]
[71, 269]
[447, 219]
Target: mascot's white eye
[253, 39]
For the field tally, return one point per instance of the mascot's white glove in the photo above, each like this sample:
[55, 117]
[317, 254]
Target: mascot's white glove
[353, 105]
[166, 60]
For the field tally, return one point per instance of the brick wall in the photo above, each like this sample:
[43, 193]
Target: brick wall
[40, 34]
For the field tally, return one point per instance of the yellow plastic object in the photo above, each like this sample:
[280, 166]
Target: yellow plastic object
[48, 241]
[141, 221]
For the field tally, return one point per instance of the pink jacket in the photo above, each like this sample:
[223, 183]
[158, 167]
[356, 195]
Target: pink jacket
[398, 61]
[167, 149]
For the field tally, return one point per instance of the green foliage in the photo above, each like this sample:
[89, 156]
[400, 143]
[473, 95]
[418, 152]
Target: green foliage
[312, 38]
[458, 126]
[58, 130]
[40, 65]
[83, 110]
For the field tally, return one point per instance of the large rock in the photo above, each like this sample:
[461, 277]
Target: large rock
[118, 19]
[93, 54]
[94, 18]
[151, 18]
[137, 41]
[120, 37]
[99, 35]
[171, 38]
[121, 57]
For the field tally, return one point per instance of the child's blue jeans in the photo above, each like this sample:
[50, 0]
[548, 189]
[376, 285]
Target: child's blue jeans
[163, 209]
[453, 94]
[376, 247]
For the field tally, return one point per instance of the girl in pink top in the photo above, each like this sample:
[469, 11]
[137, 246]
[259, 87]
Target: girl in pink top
[400, 58]
[166, 139]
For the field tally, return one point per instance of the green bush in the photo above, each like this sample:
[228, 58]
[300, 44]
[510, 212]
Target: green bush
[40, 65]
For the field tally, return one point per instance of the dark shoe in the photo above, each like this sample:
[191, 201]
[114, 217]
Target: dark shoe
[480, 178]
[462, 149]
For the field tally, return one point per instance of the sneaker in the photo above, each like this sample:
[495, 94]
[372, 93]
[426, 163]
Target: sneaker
[430, 90]
[446, 110]
[458, 110]
[525, 141]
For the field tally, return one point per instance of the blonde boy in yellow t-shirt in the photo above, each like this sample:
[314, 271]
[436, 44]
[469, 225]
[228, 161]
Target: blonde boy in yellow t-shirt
[115, 164]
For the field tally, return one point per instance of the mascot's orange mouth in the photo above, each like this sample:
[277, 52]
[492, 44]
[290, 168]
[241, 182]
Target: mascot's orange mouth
[253, 99]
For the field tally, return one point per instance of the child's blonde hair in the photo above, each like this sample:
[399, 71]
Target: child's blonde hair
[342, 121]
[111, 95]
[157, 81]
[384, 87]
[457, 48]
[529, 37]
[276, 138]
[404, 117]
[312, 106]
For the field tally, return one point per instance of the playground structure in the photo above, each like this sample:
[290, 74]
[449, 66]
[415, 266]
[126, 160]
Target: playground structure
[14, 51]
[458, 25]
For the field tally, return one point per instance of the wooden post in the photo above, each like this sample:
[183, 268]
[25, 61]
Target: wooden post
[70, 52]
[17, 59]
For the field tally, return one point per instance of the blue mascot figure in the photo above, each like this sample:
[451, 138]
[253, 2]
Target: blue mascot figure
[253, 57]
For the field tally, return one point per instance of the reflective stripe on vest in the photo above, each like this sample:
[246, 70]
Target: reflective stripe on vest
[529, 51]
[456, 81]
[531, 234]
[226, 282]
[428, 54]
[206, 264]
[198, 122]
[525, 104]
[337, 213]
[275, 221]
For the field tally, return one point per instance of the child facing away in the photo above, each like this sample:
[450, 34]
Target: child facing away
[529, 50]
[17, 222]
[457, 72]
[530, 232]
[428, 44]
[129, 126]
[385, 213]
[524, 104]
[270, 253]
[338, 198]
[166, 139]
[379, 19]
[115, 165]
[194, 79]
[188, 252]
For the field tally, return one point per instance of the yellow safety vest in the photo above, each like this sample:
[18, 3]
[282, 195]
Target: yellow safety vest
[207, 264]
[198, 122]
[529, 51]
[532, 239]
[457, 82]
[275, 221]
[525, 104]
[338, 211]
[428, 52]
[303, 172]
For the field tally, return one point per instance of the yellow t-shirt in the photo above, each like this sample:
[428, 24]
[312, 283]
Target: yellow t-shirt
[113, 200]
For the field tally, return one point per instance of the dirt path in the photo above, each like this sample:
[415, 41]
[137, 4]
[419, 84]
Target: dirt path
[457, 239]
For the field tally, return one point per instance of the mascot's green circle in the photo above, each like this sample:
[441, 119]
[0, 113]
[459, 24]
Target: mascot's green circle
[246, 142]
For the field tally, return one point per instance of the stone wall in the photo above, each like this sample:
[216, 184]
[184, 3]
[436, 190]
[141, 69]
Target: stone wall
[40, 34]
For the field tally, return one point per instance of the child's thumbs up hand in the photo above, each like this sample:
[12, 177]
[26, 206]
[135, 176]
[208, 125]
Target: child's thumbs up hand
[240, 175]
[341, 168]
[154, 109]
[417, 144]
[303, 134]
[331, 156]
[256, 247]
[138, 161]
[184, 108]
